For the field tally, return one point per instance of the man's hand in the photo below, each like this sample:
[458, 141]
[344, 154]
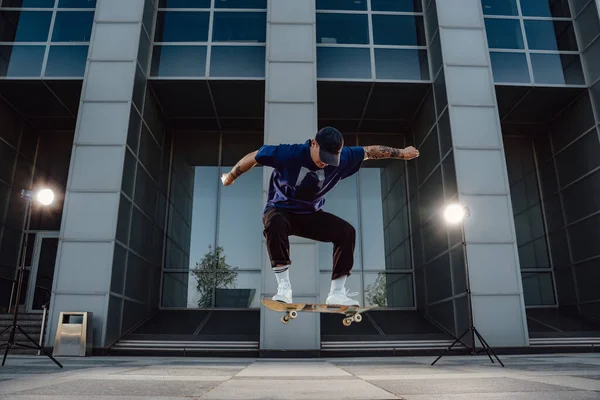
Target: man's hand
[409, 153]
[227, 179]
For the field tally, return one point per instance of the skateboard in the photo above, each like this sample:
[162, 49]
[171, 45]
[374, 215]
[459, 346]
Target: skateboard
[352, 313]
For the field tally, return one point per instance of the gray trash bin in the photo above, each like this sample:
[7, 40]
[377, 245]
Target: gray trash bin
[73, 334]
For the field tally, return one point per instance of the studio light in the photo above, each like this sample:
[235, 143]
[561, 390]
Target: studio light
[43, 197]
[455, 213]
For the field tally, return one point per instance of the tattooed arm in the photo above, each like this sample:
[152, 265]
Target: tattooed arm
[242, 166]
[380, 152]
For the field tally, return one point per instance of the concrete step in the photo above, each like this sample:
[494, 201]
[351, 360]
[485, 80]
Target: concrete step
[21, 317]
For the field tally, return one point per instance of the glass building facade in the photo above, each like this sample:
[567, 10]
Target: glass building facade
[132, 110]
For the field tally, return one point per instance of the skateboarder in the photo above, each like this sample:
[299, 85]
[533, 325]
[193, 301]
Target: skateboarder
[303, 174]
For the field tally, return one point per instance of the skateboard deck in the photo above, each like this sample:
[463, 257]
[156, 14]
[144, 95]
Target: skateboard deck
[352, 313]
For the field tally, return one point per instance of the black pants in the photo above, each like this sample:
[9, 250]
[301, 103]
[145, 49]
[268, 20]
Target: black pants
[320, 226]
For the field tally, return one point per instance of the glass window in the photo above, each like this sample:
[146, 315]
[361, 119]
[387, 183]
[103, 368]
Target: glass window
[357, 5]
[66, 61]
[182, 26]
[237, 61]
[21, 61]
[499, 7]
[179, 61]
[504, 33]
[240, 27]
[550, 35]
[401, 64]
[342, 28]
[70, 26]
[510, 67]
[397, 5]
[399, 30]
[388, 290]
[343, 63]
[184, 4]
[77, 4]
[562, 69]
[262, 4]
[538, 289]
[27, 3]
[25, 26]
[545, 8]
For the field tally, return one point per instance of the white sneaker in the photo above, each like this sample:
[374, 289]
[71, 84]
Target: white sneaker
[284, 293]
[341, 298]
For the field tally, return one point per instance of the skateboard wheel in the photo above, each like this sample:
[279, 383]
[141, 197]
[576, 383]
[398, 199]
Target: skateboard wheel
[285, 319]
[347, 321]
[358, 318]
[293, 314]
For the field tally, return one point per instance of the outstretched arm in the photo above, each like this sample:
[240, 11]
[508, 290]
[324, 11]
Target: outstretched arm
[245, 164]
[379, 152]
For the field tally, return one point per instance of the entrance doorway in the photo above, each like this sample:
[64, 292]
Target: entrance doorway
[41, 274]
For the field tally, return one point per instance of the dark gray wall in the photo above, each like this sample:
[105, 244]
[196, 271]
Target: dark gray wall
[139, 250]
[16, 166]
[438, 254]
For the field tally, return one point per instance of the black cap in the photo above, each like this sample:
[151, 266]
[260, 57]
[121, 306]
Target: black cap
[330, 141]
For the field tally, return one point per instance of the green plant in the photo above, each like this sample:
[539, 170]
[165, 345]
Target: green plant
[213, 272]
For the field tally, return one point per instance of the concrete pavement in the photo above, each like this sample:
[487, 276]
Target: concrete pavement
[547, 377]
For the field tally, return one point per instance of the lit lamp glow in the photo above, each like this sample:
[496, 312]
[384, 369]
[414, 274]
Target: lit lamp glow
[454, 213]
[45, 197]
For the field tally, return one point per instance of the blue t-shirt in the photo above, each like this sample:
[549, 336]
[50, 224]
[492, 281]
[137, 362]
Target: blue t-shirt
[297, 184]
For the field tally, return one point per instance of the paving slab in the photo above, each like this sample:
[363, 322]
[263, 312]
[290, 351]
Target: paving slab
[463, 386]
[325, 389]
[293, 369]
[149, 387]
[579, 395]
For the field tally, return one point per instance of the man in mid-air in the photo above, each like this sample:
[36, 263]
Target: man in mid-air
[303, 174]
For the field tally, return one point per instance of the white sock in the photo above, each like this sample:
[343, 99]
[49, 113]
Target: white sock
[337, 285]
[282, 273]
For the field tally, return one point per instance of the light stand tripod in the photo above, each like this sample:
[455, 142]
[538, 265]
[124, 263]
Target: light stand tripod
[28, 196]
[459, 213]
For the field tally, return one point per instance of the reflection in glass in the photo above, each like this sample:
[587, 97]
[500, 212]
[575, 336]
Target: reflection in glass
[510, 67]
[240, 27]
[357, 5]
[500, 7]
[388, 290]
[550, 35]
[545, 8]
[179, 61]
[262, 4]
[183, 3]
[77, 4]
[25, 26]
[342, 28]
[504, 33]
[397, 5]
[538, 288]
[27, 3]
[343, 63]
[401, 64]
[562, 69]
[398, 30]
[21, 61]
[66, 61]
[71, 26]
[182, 26]
[238, 61]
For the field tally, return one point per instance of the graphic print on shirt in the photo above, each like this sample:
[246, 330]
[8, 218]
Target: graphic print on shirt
[309, 183]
